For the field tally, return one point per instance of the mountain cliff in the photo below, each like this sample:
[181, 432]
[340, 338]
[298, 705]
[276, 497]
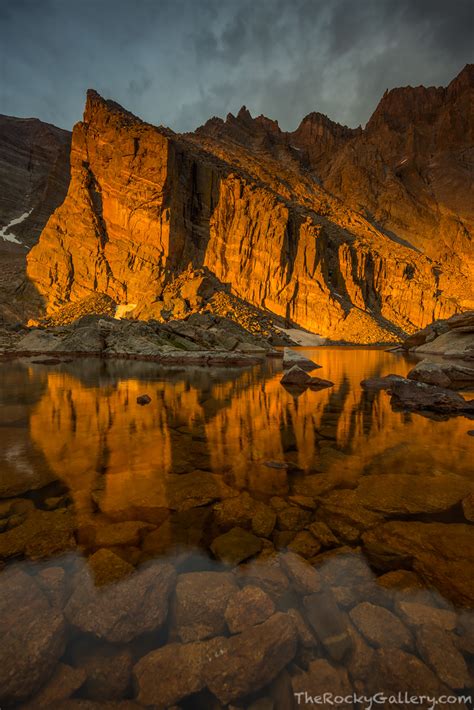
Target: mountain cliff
[34, 175]
[355, 234]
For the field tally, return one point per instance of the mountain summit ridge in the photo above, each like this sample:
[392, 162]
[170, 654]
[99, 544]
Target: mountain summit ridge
[329, 227]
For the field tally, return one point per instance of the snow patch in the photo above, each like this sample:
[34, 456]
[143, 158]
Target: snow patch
[8, 236]
[302, 337]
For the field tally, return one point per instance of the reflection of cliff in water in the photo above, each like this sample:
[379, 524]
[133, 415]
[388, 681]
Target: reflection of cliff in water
[97, 439]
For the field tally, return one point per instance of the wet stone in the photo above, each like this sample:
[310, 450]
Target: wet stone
[323, 534]
[107, 567]
[248, 607]
[41, 534]
[65, 681]
[305, 635]
[329, 623]
[304, 544]
[380, 627]
[396, 671]
[417, 614]
[236, 546]
[320, 678]
[121, 611]
[32, 637]
[201, 602]
[305, 578]
[437, 649]
[293, 518]
[107, 670]
[468, 507]
[268, 577]
[246, 662]
[52, 581]
[175, 671]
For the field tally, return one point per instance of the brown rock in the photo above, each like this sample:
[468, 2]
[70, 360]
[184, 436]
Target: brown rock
[304, 544]
[170, 673]
[42, 534]
[249, 661]
[321, 532]
[395, 671]
[380, 627]
[292, 358]
[329, 624]
[107, 671]
[63, 683]
[52, 581]
[417, 614]
[201, 601]
[320, 678]
[417, 396]
[267, 576]
[304, 577]
[442, 554]
[119, 612]
[236, 546]
[468, 507]
[436, 647]
[248, 607]
[107, 567]
[32, 637]
[405, 494]
[296, 376]
[293, 518]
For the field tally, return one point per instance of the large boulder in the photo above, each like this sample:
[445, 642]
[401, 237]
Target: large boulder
[294, 357]
[406, 494]
[246, 662]
[122, 611]
[417, 396]
[32, 637]
[443, 374]
[201, 602]
[170, 673]
[441, 553]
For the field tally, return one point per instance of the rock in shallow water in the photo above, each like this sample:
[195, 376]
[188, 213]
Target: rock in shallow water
[380, 627]
[119, 612]
[201, 601]
[249, 661]
[236, 546]
[248, 607]
[442, 554]
[294, 358]
[32, 637]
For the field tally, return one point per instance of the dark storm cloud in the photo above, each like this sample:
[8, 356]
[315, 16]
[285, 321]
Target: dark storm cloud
[177, 62]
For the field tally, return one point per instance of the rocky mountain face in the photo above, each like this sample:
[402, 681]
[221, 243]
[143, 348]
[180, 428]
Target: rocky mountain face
[34, 179]
[358, 234]
[34, 176]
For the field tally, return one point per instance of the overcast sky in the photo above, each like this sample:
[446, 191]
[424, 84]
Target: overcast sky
[178, 62]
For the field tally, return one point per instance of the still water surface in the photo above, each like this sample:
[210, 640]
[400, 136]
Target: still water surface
[85, 469]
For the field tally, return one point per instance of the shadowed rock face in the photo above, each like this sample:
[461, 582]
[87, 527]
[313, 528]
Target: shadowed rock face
[256, 207]
[34, 174]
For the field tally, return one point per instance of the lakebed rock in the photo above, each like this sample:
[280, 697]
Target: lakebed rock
[201, 602]
[32, 637]
[119, 612]
[442, 554]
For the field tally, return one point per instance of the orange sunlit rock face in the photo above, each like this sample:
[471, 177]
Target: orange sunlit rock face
[105, 447]
[250, 203]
